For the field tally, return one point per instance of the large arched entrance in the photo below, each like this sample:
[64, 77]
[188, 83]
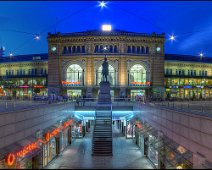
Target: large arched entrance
[74, 78]
[137, 78]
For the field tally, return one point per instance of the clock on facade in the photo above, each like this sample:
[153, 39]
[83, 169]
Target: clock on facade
[158, 49]
[53, 48]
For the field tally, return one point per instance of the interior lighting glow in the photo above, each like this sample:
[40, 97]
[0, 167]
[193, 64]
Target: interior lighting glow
[106, 28]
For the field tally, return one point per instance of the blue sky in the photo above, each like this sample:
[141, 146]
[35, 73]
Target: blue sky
[191, 22]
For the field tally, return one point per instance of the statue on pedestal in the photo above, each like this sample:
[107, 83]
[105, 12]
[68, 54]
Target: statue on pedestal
[105, 69]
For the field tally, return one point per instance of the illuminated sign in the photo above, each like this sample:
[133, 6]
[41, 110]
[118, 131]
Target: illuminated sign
[23, 86]
[140, 83]
[27, 149]
[174, 87]
[38, 86]
[187, 87]
[200, 86]
[53, 133]
[106, 28]
[69, 83]
[11, 157]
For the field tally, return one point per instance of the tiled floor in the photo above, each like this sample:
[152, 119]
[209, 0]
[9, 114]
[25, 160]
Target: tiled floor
[126, 155]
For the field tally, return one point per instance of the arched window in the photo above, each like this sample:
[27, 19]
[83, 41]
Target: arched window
[128, 49]
[133, 49]
[83, 49]
[115, 49]
[78, 49]
[65, 50]
[69, 49]
[142, 50]
[147, 50]
[111, 49]
[96, 49]
[32, 82]
[111, 76]
[74, 74]
[74, 49]
[138, 49]
[137, 74]
[101, 49]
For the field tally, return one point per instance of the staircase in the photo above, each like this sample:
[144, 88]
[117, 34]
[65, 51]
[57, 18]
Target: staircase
[102, 134]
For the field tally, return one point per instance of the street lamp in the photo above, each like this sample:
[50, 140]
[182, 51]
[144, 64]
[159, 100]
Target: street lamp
[172, 37]
[201, 55]
[102, 4]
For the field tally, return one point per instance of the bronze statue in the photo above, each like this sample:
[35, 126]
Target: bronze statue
[105, 69]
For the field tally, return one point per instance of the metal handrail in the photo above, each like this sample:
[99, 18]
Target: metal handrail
[187, 108]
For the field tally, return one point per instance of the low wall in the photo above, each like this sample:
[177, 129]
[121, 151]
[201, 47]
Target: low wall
[17, 125]
[194, 132]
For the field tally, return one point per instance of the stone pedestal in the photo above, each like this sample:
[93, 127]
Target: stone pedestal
[89, 93]
[104, 93]
[122, 92]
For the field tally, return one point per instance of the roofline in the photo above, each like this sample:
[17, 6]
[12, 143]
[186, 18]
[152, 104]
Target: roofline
[27, 55]
[186, 55]
[115, 32]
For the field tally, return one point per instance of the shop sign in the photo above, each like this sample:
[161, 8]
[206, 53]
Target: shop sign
[200, 87]
[68, 83]
[134, 83]
[174, 87]
[49, 135]
[38, 86]
[11, 157]
[23, 86]
[187, 87]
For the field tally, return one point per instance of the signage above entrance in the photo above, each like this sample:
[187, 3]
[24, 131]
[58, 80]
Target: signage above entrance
[70, 83]
[145, 84]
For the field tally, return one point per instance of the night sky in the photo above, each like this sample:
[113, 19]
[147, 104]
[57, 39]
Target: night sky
[191, 22]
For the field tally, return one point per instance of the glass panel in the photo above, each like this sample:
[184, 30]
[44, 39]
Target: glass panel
[137, 74]
[74, 73]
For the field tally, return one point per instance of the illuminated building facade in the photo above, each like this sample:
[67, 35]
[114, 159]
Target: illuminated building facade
[188, 77]
[137, 67]
[24, 75]
[136, 63]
